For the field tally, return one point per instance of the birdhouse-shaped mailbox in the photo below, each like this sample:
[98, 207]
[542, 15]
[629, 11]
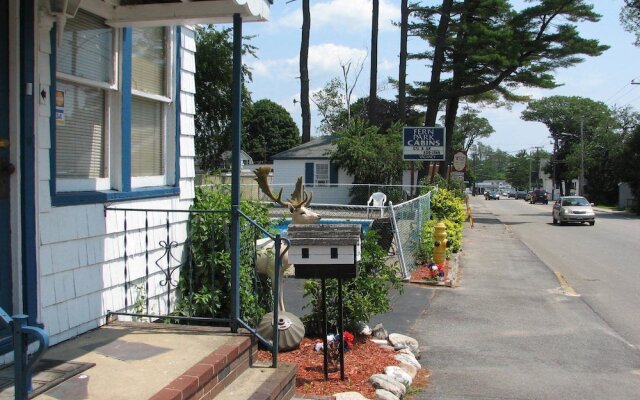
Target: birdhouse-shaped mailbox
[325, 250]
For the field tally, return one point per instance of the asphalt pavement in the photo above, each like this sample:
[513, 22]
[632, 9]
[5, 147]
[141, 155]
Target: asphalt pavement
[510, 329]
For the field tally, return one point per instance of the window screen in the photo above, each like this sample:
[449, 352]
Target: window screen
[147, 144]
[80, 133]
[149, 60]
[86, 50]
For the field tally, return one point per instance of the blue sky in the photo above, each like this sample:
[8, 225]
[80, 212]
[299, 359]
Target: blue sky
[340, 33]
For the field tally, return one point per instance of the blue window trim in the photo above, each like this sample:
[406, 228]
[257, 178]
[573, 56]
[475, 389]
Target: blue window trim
[127, 193]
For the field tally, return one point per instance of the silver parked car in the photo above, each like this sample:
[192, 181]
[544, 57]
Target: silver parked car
[573, 209]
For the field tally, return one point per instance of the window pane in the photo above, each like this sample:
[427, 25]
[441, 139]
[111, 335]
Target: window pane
[80, 133]
[149, 60]
[87, 48]
[147, 145]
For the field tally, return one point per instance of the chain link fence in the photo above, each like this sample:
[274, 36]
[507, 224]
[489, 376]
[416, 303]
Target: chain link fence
[399, 226]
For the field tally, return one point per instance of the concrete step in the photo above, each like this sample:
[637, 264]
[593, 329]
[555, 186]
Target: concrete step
[262, 383]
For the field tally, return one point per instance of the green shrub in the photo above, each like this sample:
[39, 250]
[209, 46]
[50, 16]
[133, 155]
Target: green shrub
[211, 259]
[449, 207]
[363, 297]
[445, 204]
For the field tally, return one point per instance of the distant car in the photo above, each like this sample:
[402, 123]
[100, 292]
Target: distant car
[492, 195]
[511, 194]
[521, 194]
[539, 196]
[573, 209]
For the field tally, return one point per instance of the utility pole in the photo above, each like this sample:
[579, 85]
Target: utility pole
[581, 179]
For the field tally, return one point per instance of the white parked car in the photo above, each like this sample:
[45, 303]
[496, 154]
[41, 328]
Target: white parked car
[573, 209]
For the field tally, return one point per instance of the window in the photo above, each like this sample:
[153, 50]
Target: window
[322, 174]
[149, 105]
[85, 71]
[112, 136]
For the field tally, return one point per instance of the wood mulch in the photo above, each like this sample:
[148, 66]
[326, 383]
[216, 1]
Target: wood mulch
[362, 360]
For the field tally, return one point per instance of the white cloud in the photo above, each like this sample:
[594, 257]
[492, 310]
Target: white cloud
[324, 59]
[350, 15]
[327, 57]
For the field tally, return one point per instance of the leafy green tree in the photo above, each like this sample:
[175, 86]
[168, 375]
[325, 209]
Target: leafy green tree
[470, 127]
[630, 165]
[331, 106]
[519, 169]
[630, 18]
[565, 117]
[485, 45]
[214, 65]
[269, 129]
[367, 155]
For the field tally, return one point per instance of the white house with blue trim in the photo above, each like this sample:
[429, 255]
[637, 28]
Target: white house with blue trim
[96, 109]
[326, 180]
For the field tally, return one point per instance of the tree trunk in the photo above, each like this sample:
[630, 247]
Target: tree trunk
[402, 73]
[449, 122]
[304, 73]
[434, 98]
[373, 79]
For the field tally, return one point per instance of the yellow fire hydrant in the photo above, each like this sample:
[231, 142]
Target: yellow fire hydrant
[440, 243]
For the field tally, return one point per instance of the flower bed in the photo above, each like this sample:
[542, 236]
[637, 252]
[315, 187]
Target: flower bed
[431, 273]
[363, 359]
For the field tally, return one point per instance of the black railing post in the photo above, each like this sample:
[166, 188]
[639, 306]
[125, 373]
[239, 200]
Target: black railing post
[236, 129]
[276, 300]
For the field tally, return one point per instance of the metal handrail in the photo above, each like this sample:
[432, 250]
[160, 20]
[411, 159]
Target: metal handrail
[23, 364]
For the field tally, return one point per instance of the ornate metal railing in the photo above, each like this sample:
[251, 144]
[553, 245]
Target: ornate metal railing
[23, 363]
[174, 269]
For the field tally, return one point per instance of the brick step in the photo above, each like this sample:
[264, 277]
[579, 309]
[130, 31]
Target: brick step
[231, 367]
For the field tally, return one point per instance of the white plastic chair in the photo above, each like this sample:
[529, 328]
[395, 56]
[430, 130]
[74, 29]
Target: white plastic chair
[377, 200]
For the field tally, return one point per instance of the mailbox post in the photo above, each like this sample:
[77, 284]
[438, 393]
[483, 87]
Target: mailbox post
[322, 251]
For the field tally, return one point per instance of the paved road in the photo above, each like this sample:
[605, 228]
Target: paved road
[602, 263]
[510, 332]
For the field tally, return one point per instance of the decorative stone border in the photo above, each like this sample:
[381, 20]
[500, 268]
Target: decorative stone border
[396, 380]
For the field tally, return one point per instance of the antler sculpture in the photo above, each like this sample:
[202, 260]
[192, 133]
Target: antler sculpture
[299, 198]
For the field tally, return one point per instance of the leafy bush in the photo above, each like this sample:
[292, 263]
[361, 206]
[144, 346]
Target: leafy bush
[209, 283]
[364, 296]
[448, 207]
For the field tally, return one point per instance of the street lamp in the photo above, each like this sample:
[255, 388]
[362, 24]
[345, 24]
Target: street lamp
[581, 177]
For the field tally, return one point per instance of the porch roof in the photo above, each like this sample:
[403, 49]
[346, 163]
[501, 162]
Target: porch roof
[138, 13]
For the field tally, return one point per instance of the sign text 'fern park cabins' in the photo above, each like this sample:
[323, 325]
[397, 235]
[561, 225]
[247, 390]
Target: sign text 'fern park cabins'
[423, 143]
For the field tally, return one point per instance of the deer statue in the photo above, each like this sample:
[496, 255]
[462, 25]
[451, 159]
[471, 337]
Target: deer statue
[298, 205]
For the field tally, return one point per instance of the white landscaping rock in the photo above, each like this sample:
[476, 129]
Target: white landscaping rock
[406, 350]
[407, 359]
[380, 341]
[382, 394]
[409, 369]
[379, 332]
[349, 396]
[399, 341]
[398, 374]
[382, 381]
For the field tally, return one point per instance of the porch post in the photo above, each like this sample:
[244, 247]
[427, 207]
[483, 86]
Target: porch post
[236, 129]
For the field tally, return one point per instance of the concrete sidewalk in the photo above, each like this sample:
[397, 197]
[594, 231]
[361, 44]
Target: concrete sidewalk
[510, 331]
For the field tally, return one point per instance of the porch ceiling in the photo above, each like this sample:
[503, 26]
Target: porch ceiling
[119, 13]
